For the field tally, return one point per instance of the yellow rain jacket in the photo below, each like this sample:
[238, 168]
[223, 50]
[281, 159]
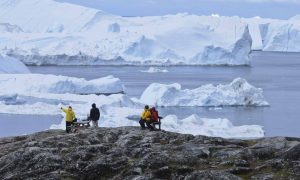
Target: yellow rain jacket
[146, 115]
[70, 115]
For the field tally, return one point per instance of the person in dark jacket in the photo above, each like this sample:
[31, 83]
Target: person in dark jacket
[94, 115]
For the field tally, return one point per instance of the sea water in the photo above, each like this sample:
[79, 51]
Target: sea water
[278, 74]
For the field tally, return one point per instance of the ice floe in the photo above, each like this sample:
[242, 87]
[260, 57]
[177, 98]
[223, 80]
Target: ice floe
[155, 70]
[211, 127]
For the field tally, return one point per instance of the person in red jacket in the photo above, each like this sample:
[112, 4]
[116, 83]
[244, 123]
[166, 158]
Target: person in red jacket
[154, 114]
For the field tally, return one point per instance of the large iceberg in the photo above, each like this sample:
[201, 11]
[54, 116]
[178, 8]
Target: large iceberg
[11, 65]
[238, 93]
[89, 36]
[47, 15]
[39, 83]
[282, 37]
[275, 35]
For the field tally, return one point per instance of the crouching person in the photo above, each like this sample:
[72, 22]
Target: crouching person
[146, 118]
[70, 117]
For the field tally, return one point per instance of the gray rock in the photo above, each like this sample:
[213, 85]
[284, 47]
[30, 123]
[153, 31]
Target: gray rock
[211, 175]
[130, 153]
[263, 177]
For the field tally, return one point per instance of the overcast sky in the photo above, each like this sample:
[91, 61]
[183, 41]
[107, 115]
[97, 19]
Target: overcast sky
[281, 9]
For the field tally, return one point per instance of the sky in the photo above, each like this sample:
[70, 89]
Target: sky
[279, 9]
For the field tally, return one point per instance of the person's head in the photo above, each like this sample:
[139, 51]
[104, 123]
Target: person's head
[70, 108]
[153, 109]
[146, 107]
[94, 105]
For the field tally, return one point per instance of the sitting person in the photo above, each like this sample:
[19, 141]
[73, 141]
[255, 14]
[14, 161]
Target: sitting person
[70, 117]
[155, 117]
[146, 118]
[154, 114]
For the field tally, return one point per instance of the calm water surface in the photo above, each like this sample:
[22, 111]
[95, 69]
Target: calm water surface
[13, 125]
[277, 73]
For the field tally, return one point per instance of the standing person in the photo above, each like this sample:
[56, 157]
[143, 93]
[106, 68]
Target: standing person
[94, 115]
[70, 116]
[146, 118]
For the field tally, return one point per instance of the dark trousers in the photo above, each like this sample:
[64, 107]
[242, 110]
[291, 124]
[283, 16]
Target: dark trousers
[68, 126]
[148, 123]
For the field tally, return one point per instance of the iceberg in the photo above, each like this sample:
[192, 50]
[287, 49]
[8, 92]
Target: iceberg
[86, 36]
[45, 94]
[39, 83]
[283, 37]
[155, 70]
[275, 35]
[238, 93]
[47, 16]
[211, 127]
[49, 104]
[11, 65]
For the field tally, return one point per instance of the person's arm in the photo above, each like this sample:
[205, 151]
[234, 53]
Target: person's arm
[74, 116]
[63, 109]
[143, 115]
[158, 115]
[98, 114]
[91, 114]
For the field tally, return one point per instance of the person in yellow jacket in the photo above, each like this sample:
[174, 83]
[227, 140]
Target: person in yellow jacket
[146, 118]
[70, 117]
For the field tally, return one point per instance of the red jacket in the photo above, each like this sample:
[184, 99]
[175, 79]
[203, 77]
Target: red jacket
[154, 115]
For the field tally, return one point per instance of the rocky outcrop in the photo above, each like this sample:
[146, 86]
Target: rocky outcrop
[131, 153]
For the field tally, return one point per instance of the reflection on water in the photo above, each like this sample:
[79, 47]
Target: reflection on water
[277, 73]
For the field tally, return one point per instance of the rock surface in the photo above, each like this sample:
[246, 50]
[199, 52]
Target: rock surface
[131, 153]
